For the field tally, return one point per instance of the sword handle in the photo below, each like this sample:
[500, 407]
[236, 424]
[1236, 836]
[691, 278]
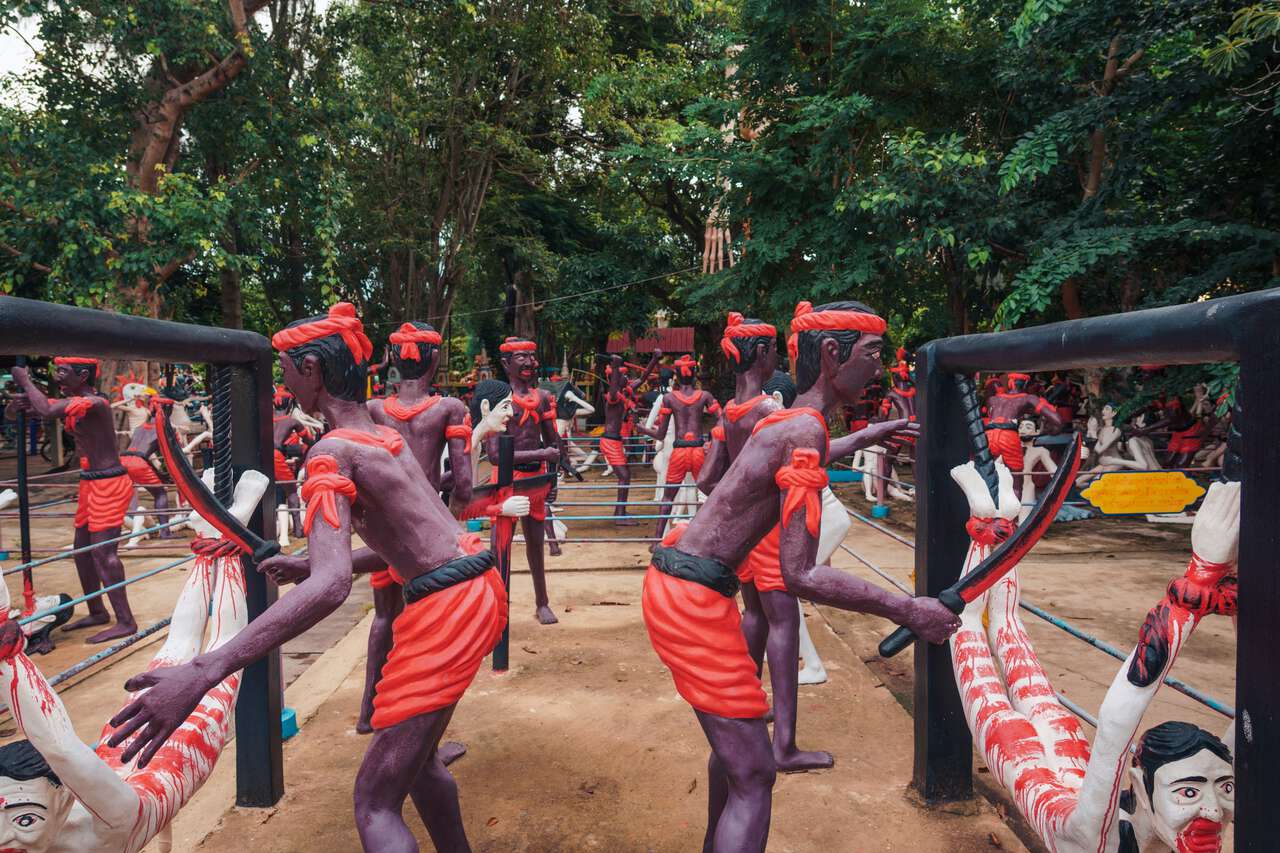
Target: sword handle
[265, 551]
[903, 637]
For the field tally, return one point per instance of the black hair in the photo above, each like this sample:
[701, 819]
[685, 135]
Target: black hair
[88, 371]
[665, 375]
[808, 352]
[492, 390]
[781, 382]
[684, 378]
[410, 369]
[344, 377]
[1173, 741]
[748, 348]
[21, 761]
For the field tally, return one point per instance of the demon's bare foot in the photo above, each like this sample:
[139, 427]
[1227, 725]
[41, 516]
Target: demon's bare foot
[117, 632]
[450, 751]
[799, 761]
[553, 548]
[88, 621]
[545, 616]
[363, 726]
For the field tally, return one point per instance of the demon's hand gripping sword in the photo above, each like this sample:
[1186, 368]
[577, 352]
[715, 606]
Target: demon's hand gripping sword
[196, 493]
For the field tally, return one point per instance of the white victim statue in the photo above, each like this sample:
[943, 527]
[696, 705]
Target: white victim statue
[1175, 792]
[868, 461]
[134, 405]
[578, 458]
[62, 796]
[1108, 449]
[1033, 456]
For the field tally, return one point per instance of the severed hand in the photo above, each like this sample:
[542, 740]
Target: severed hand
[1215, 533]
[516, 506]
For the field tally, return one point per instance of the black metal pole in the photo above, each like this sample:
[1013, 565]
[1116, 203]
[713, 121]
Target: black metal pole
[259, 747]
[1257, 757]
[500, 542]
[24, 506]
[943, 767]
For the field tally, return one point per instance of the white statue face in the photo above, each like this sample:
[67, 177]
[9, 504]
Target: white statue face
[1026, 428]
[1108, 411]
[32, 813]
[1192, 801]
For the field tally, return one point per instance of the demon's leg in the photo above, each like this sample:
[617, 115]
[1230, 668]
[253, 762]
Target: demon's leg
[717, 794]
[110, 572]
[624, 489]
[755, 628]
[390, 773]
[742, 748]
[89, 583]
[387, 604]
[160, 499]
[664, 511]
[784, 670]
[533, 542]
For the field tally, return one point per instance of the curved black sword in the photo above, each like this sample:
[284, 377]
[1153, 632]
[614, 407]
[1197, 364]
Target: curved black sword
[196, 493]
[1005, 557]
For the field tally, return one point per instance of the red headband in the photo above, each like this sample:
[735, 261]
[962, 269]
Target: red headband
[736, 328]
[517, 345]
[808, 320]
[73, 359]
[342, 320]
[1015, 377]
[685, 365]
[901, 368]
[408, 336]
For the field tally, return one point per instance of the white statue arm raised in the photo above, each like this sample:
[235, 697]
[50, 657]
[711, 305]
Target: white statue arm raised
[42, 719]
[584, 408]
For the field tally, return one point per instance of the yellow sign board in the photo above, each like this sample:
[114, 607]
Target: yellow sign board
[1129, 492]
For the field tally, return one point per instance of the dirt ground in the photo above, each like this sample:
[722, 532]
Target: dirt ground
[584, 743]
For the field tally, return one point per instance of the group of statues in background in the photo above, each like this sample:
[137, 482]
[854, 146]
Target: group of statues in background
[767, 528]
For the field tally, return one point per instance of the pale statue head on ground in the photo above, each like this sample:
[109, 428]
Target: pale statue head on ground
[34, 803]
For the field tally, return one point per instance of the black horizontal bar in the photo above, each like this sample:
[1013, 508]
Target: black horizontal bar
[1207, 331]
[31, 327]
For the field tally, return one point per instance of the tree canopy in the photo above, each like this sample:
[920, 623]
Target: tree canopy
[552, 168]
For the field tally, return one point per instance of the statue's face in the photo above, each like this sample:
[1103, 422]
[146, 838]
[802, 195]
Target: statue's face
[68, 379]
[1108, 411]
[521, 365]
[1192, 802]
[1026, 428]
[304, 383]
[861, 367]
[33, 813]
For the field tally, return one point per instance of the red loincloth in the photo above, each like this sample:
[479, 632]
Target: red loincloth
[1006, 444]
[611, 450]
[537, 500]
[697, 633]
[685, 460]
[438, 644]
[382, 579]
[140, 470]
[763, 566]
[283, 473]
[103, 503]
[1188, 440]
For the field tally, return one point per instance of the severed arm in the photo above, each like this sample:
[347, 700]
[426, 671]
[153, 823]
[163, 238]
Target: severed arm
[42, 719]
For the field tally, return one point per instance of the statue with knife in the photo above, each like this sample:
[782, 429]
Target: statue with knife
[359, 481]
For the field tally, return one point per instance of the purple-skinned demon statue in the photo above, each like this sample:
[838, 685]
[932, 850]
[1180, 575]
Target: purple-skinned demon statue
[106, 490]
[775, 482]
[360, 480]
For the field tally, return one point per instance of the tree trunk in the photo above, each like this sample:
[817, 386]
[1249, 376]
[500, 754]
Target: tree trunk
[1071, 299]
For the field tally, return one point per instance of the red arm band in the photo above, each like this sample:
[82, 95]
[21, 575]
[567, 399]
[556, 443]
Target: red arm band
[803, 481]
[461, 431]
[717, 433]
[321, 488]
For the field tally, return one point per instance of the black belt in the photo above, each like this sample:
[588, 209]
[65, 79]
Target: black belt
[449, 574]
[612, 437]
[689, 442]
[710, 573]
[137, 453]
[104, 474]
[1002, 425]
[528, 467]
